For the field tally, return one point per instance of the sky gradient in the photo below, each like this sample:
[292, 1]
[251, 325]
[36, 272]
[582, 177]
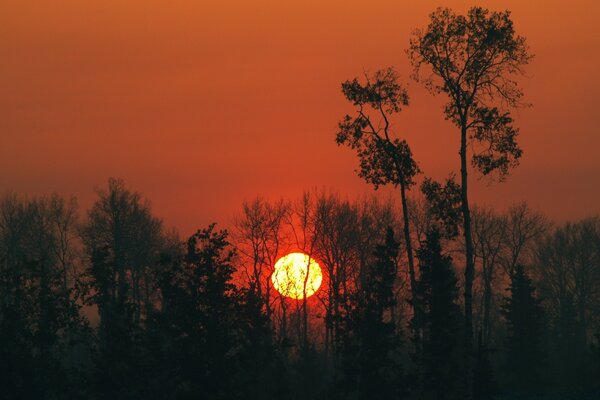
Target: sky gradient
[202, 104]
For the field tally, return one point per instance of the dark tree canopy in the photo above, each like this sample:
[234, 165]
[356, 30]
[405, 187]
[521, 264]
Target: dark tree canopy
[473, 59]
[384, 159]
[437, 294]
[444, 204]
[370, 362]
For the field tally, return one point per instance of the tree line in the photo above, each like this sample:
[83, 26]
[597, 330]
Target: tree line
[113, 305]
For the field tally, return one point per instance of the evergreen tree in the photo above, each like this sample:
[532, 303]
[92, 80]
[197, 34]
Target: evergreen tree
[442, 318]
[524, 320]
[371, 353]
[218, 341]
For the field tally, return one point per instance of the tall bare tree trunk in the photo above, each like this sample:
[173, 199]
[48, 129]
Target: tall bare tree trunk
[413, 288]
[470, 268]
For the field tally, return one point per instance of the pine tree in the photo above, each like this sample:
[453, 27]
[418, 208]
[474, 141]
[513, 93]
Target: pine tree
[524, 320]
[442, 318]
[372, 342]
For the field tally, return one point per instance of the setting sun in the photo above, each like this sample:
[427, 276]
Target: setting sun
[290, 276]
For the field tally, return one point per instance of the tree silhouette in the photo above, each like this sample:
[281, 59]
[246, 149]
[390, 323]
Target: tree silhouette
[122, 240]
[437, 294]
[472, 59]
[198, 302]
[40, 319]
[371, 365]
[384, 159]
[524, 319]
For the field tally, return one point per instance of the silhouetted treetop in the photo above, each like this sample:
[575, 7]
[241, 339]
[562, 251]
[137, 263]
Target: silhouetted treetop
[473, 59]
[384, 159]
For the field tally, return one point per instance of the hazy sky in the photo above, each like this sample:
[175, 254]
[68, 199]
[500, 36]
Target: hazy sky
[199, 104]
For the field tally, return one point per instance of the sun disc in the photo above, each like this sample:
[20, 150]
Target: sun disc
[296, 275]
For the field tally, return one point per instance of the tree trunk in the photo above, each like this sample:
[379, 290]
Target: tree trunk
[417, 331]
[469, 268]
[409, 252]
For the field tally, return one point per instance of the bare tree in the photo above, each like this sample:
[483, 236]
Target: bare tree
[488, 241]
[524, 228]
[260, 240]
[336, 249]
[568, 268]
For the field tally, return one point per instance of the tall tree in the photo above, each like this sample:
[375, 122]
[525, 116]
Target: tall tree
[121, 223]
[39, 313]
[472, 59]
[218, 337]
[122, 241]
[199, 302]
[371, 359]
[259, 240]
[437, 293]
[338, 221]
[488, 240]
[384, 158]
[568, 266]
[524, 319]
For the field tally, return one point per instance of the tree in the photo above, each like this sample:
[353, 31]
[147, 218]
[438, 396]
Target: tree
[39, 313]
[568, 265]
[524, 319]
[488, 240]
[198, 305]
[259, 234]
[123, 242]
[372, 342]
[384, 159]
[340, 236]
[443, 203]
[121, 223]
[524, 228]
[218, 337]
[472, 60]
[437, 295]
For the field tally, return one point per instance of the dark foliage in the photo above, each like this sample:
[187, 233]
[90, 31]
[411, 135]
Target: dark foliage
[444, 204]
[438, 293]
[371, 351]
[525, 322]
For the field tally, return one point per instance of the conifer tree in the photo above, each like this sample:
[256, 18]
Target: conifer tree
[524, 319]
[442, 318]
[371, 352]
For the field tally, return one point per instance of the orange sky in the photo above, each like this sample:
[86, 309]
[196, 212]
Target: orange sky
[200, 104]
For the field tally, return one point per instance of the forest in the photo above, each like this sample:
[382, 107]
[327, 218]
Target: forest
[424, 294]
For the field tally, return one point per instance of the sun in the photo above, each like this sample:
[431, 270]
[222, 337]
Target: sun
[290, 276]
